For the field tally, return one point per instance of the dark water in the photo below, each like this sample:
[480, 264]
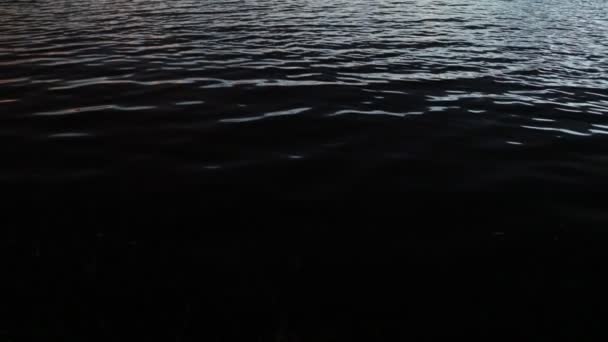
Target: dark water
[405, 106]
[305, 98]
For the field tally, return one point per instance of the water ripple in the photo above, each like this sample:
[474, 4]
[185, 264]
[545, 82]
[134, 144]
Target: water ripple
[187, 83]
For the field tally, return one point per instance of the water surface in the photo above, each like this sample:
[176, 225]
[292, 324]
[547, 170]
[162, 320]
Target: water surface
[306, 98]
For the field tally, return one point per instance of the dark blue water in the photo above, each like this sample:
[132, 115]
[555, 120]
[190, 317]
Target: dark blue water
[418, 120]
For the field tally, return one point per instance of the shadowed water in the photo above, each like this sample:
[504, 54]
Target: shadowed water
[306, 98]
[315, 99]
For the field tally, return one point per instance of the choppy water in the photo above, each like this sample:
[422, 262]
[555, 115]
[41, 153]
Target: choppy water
[306, 97]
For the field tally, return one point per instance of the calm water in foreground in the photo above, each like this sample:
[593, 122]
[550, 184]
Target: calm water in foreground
[317, 99]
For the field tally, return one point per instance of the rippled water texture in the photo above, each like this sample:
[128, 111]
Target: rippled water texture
[306, 96]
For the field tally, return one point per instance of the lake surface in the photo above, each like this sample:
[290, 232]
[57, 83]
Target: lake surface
[306, 99]
[407, 106]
